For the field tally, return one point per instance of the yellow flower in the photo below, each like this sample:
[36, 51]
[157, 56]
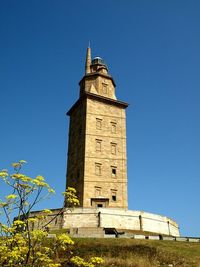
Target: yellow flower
[25, 179]
[47, 211]
[11, 196]
[40, 178]
[22, 161]
[78, 261]
[39, 183]
[17, 176]
[50, 190]
[71, 189]
[16, 164]
[18, 222]
[25, 186]
[63, 240]
[71, 199]
[3, 204]
[32, 220]
[40, 217]
[96, 260]
[3, 173]
[38, 235]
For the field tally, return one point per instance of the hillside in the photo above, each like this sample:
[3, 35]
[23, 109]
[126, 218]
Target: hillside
[140, 253]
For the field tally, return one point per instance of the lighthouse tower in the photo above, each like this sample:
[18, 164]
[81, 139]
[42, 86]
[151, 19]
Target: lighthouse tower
[97, 162]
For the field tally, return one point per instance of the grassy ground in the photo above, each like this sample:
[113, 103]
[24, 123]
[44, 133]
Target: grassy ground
[140, 253]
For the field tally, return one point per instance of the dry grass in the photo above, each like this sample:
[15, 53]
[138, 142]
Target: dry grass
[140, 253]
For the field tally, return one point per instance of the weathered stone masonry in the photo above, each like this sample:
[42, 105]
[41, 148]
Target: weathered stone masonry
[97, 141]
[97, 165]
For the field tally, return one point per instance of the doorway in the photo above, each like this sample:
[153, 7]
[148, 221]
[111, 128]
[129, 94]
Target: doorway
[99, 202]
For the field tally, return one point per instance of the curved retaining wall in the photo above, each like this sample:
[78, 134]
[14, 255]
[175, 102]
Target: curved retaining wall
[120, 219]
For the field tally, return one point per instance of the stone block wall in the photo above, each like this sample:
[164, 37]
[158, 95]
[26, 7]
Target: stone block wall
[97, 163]
[52, 221]
[76, 149]
[106, 148]
[120, 219]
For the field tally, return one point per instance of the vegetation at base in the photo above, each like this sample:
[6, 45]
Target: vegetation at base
[20, 243]
[140, 253]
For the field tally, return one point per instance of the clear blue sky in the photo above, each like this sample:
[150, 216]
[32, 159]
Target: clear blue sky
[152, 49]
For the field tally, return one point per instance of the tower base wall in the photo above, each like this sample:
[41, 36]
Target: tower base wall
[120, 219]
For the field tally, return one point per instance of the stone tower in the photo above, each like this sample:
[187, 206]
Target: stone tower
[97, 166]
[97, 162]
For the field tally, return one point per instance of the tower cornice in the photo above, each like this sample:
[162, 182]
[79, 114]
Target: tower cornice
[100, 98]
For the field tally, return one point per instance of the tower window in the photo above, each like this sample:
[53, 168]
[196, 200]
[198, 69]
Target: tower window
[113, 127]
[104, 88]
[114, 198]
[114, 195]
[97, 168]
[98, 124]
[98, 145]
[113, 171]
[113, 148]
